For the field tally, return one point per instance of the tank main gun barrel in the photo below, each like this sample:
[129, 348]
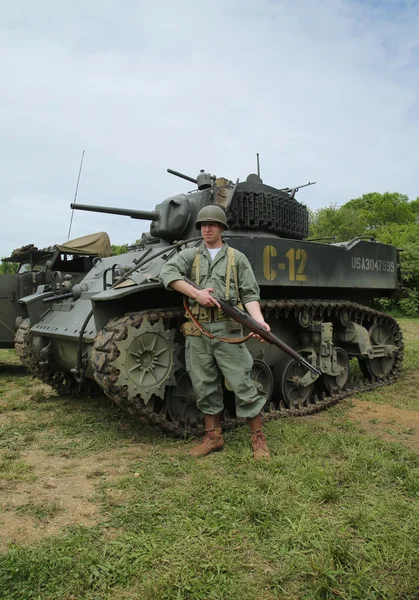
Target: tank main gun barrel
[182, 176]
[146, 215]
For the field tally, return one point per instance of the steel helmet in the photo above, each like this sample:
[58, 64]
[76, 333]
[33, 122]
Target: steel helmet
[212, 214]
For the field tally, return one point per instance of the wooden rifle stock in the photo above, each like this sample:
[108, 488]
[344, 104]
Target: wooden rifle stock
[245, 319]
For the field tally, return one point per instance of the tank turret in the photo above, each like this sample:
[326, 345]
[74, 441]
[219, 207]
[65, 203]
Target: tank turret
[251, 206]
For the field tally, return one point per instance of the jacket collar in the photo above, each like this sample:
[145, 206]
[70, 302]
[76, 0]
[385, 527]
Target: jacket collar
[203, 250]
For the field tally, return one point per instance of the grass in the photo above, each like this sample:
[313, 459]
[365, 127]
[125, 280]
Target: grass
[405, 393]
[335, 514]
[40, 511]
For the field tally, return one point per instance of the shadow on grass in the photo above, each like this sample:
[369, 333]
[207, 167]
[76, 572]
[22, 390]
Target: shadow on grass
[98, 413]
[13, 369]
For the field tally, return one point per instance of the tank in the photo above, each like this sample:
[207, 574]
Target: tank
[119, 332]
[57, 267]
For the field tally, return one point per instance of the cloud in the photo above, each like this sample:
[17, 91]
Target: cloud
[323, 91]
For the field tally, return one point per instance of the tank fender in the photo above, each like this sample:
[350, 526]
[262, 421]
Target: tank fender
[37, 297]
[135, 288]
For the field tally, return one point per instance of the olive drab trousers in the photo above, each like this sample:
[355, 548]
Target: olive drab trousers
[208, 361]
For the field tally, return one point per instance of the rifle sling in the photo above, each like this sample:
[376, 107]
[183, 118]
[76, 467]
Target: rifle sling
[208, 333]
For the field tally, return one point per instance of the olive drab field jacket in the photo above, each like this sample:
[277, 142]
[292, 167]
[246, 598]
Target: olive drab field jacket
[229, 270]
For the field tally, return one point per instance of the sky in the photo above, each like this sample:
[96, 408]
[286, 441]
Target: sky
[324, 91]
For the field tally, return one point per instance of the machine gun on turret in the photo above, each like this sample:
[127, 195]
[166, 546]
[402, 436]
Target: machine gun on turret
[293, 190]
[204, 180]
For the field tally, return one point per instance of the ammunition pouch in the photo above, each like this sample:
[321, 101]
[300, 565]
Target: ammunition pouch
[205, 314]
[194, 328]
[189, 328]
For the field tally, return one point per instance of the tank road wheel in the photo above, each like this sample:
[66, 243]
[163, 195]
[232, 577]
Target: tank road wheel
[146, 361]
[334, 384]
[262, 377]
[289, 376]
[379, 368]
[181, 402]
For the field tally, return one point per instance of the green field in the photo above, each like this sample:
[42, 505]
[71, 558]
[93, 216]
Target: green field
[94, 506]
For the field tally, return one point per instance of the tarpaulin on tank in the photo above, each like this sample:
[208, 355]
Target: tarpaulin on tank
[95, 243]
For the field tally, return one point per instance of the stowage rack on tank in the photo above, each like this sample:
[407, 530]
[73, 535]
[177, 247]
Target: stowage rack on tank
[278, 213]
[161, 411]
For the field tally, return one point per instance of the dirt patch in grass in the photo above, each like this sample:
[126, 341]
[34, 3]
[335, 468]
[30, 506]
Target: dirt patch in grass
[387, 422]
[64, 493]
[16, 416]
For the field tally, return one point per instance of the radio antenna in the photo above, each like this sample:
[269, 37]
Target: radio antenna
[257, 161]
[75, 194]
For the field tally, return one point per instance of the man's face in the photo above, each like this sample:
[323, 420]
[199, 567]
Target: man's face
[211, 232]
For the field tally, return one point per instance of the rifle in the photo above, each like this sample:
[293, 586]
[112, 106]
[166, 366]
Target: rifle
[247, 321]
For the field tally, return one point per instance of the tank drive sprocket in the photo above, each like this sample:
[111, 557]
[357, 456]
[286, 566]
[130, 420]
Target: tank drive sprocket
[114, 360]
[146, 360]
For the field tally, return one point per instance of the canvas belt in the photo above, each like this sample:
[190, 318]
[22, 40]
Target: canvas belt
[213, 316]
[208, 333]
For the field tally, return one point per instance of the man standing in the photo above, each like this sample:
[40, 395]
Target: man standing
[225, 271]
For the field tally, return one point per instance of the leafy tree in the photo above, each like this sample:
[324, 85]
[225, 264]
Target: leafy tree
[410, 276]
[335, 221]
[415, 208]
[399, 235]
[121, 249]
[8, 268]
[381, 209]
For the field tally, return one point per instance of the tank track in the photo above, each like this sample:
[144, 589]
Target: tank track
[105, 351]
[63, 383]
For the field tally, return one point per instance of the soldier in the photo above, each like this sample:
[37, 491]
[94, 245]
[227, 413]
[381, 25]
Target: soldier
[225, 271]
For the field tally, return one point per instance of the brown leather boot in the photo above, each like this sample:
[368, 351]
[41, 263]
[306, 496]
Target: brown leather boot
[213, 440]
[260, 448]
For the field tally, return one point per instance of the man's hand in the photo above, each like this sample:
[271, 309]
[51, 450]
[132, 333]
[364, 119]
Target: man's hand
[253, 308]
[204, 298]
[263, 324]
